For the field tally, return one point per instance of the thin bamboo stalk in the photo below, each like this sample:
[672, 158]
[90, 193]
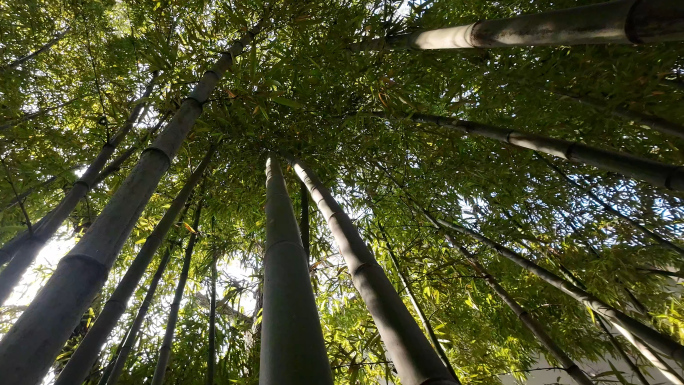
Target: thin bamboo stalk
[292, 345]
[16, 63]
[416, 306]
[657, 238]
[211, 360]
[413, 356]
[76, 370]
[654, 338]
[167, 343]
[33, 342]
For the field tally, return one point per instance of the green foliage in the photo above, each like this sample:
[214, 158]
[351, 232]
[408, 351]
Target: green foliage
[300, 89]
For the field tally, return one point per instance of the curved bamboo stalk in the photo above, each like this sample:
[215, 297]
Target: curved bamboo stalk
[33, 342]
[292, 345]
[615, 22]
[654, 338]
[76, 370]
[656, 173]
[167, 343]
[530, 323]
[413, 356]
[24, 256]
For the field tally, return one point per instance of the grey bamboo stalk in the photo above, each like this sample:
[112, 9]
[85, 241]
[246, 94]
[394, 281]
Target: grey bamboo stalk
[292, 345]
[127, 347]
[76, 370]
[654, 122]
[646, 352]
[652, 337]
[30, 346]
[211, 360]
[416, 306]
[626, 358]
[657, 173]
[615, 22]
[304, 222]
[530, 323]
[24, 256]
[29, 191]
[413, 356]
[657, 238]
[656, 339]
[59, 36]
[650, 355]
[167, 343]
[9, 249]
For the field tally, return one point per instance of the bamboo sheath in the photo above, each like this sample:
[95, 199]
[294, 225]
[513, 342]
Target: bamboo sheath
[413, 356]
[30, 346]
[292, 345]
[615, 22]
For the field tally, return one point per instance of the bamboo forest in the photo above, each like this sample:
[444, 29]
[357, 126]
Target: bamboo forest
[415, 192]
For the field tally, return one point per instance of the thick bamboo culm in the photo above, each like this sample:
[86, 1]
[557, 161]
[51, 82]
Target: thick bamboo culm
[413, 356]
[615, 22]
[292, 345]
[657, 173]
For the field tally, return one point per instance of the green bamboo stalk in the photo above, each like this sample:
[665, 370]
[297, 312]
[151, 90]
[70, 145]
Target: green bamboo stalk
[615, 22]
[30, 346]
[413, 356]
[292, 345]
[167, 343]
[656, 173]
[76, 370]
[24, 256]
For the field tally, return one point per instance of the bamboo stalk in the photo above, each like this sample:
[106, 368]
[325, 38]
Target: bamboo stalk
[292, 345]
[167, 343]
[33, 342]
[24, 256]
[413, 356]
[16, 63]
[656, 173]
[615, 22]
[76, 370]
[414, 301]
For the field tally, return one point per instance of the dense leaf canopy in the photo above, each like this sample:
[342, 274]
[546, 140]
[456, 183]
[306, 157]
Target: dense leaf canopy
[300, 88]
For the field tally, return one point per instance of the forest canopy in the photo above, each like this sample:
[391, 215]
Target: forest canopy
[341, 191]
